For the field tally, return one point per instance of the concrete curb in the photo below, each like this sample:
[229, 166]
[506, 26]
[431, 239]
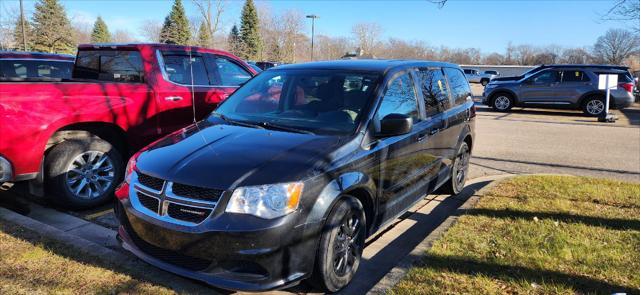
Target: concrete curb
[145, 271]
[395, 275]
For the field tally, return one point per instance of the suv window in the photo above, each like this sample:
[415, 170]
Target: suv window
[458, 85]
[400, 98]
[177, 68]
[622, 77]
[228, 73]
[109, 65]
[575, 76]
[434, 89]
[546, 77]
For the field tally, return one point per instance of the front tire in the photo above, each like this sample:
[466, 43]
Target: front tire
[502, 102]
[594, 106]
[341, 245]
[458, 175]
[82, 173]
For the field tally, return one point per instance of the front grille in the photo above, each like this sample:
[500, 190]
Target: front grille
[187, 213]
[150, 181]
[148, 202]
[198, 193]
[184, 261]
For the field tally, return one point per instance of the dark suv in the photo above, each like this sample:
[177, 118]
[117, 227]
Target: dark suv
[290, 175]
[560, 86]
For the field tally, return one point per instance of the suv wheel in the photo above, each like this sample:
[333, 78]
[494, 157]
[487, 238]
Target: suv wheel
[594, 106]
[341, 245]
[459, 172]
[502, 102]
[82, 173]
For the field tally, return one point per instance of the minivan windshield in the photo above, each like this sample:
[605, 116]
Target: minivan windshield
[307, 101]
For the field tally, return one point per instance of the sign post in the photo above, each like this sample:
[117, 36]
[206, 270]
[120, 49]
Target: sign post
[607, 82]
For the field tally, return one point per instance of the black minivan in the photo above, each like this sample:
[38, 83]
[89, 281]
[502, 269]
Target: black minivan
[295, 170]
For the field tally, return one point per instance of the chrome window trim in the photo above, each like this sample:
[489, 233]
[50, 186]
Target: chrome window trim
[37, 59]
[165, 76]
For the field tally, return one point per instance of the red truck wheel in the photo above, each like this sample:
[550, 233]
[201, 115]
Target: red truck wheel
[82, 173]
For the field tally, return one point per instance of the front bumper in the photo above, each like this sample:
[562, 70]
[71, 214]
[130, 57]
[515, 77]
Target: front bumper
[249, 259]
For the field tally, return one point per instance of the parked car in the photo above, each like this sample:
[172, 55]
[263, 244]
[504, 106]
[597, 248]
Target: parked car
[474, 76]
[253, 65]
[15, 65]
[574, 87]
[492, 74]
[264, 65]
[73, 136]
[286, 179]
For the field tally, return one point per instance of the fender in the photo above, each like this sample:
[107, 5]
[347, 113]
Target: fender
[579, 102]
[497, 90]
[342, 184]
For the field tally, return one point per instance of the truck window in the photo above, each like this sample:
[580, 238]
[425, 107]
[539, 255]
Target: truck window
[458, 85]
[109, 65]
[35, 69]
[177, 68]
[434, 88]
[228, 73]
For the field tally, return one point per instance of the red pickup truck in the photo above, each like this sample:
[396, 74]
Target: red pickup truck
[70, 138]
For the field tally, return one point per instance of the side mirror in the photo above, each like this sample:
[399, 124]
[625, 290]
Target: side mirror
[395, 124]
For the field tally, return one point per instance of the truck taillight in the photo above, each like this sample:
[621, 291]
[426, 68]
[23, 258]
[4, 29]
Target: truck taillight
[629, 87]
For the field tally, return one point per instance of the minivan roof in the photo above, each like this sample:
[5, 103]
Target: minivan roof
[371, 65]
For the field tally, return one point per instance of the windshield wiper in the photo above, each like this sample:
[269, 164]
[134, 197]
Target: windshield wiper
[285, 128]
[240, 123]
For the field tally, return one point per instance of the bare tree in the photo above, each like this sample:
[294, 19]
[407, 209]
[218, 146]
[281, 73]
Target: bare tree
[615, 46]
[212, 19]
[624, 11]
[575, 56]
[493, 59]
[150, 30]
[367, 36]
[122, 36]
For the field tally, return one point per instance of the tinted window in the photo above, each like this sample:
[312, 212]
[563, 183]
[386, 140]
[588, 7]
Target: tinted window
[323, 101]
[545, 77]
[117, 66]
[35, 69]
[434, 89]
[228, 73]
[400, 98]
[458, 85]
[177, 69]
[575, 76]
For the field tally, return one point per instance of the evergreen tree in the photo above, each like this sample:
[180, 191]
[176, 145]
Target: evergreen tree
[204, 38]
[235, 46]
[51, 28]
[175, 30]
[17, 35]
[100, 33]
[249, 31]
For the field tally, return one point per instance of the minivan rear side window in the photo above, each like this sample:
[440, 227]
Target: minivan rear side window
[109, 65]
[400, 98]
[575, 76]
[458, 85]
[434, 89]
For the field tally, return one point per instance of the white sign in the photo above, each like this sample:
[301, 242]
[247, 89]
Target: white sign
[610, 80]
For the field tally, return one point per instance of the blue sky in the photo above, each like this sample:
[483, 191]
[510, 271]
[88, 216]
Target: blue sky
[487, 25]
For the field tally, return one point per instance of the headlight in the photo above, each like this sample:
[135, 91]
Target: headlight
[266, 201]
[131, 165]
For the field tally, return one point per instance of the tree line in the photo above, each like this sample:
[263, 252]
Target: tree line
[261, 34]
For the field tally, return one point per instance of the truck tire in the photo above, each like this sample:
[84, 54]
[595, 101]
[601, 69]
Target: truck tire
[82, 173]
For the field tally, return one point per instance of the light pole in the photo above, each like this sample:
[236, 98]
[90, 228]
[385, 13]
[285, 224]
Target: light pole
[24, 37]
[313, 17]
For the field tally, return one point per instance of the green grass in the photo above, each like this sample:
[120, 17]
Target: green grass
[31, 264]
[538, 235]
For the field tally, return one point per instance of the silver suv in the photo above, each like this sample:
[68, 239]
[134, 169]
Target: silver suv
[560, 86]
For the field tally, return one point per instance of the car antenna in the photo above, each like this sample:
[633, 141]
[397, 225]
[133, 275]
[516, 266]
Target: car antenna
[193, 98]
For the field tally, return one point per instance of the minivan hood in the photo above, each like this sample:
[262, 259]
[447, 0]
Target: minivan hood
[222, 156]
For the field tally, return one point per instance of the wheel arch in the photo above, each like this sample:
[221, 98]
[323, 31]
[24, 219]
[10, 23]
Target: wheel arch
[111, 133]
[509, 92]
[587, 95]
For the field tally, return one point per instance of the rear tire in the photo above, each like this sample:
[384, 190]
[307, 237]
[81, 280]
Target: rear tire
[82, 173]
[458, 175]
[502, 102]
[341, 245]
[594, 106]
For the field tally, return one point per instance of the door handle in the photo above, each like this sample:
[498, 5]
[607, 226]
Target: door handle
[173, 98]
